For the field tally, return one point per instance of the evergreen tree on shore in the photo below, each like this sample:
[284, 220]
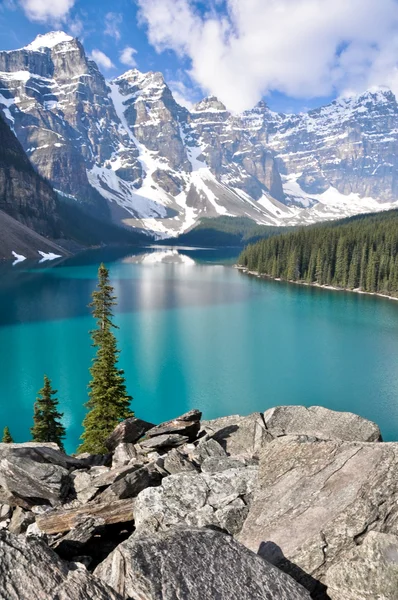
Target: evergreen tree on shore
[47, 424]
[109, 402]
[359, 253]
[7, 437]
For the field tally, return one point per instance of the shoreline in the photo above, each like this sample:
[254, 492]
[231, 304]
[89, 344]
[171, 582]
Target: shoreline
[316, 285]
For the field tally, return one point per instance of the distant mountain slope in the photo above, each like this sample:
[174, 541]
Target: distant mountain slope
[357, 254]
[225, 231]
[24, 194]
[17, 237]
[130, 153]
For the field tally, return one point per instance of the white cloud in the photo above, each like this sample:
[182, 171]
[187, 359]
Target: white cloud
[183, 94]
[75, 27]
[102, 59]
[44, 11]
[302, 48]
[112, 23]
[127, 56]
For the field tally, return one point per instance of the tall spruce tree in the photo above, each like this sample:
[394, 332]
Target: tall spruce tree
[109, 402]
[47, 421]
[7, 437]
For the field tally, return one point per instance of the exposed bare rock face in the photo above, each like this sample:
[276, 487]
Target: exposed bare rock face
[34, 474]
[24, 195]
[128, 432]
[320, 422]
[315, 501]
[29, 569]
[163, 167]
[310, 494]
[368, 570]
[239, 436]
[195, 564]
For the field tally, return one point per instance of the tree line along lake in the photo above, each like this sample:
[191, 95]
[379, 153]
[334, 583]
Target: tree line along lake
[194, 333]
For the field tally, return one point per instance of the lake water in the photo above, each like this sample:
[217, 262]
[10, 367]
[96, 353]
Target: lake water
[194, 333]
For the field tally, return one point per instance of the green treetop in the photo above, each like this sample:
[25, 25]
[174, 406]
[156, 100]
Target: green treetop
[47, 425]
[7, 438]
[109, 402]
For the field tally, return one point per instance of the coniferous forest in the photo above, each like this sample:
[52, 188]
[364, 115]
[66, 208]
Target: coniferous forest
[357, 254]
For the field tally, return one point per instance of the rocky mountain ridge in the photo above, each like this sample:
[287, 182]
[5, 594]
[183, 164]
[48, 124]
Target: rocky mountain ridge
[131, 153]
[293, 503]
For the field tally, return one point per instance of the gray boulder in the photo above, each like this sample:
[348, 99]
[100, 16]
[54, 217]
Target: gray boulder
[20, 521]
[196, 499]
[367, 571]
[123, 454]
[128, 431]
[314, 501]
[320, 422]
[176, 461]
[132, 484]
[215, 465]
[194, 564]
[239, 436]
[207, 448]
[161, 442]
[186, 425]
[34, 473]
[29, 569]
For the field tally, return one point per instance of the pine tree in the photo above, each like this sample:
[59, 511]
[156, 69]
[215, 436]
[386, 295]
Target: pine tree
[108, 402]
[7, 438]
[47, 424]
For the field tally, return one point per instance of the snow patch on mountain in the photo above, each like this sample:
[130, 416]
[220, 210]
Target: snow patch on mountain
[49, 40]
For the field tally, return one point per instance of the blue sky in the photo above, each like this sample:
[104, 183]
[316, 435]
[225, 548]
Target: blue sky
[296, 54]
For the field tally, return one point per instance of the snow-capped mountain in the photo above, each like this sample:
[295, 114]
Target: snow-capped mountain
[131, 153]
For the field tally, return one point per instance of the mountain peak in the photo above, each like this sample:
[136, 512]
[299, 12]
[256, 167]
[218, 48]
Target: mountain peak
[49, 40]
[210, 104]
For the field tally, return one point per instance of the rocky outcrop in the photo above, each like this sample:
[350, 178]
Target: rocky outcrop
[329, 493]
[320, 422]
[369, 570]
[194, 564]
[29, 569]
[239, 436]
[310, 494]
[208, 498]
[128, 432]
[34, 474]
[24, 195]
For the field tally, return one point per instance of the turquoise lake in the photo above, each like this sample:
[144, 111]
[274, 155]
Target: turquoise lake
[194, 333]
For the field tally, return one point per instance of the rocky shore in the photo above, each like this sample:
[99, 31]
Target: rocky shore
[290, 504]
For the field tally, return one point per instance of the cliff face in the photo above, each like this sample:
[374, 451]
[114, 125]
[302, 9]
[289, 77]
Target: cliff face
[24, 195]
[127, 150]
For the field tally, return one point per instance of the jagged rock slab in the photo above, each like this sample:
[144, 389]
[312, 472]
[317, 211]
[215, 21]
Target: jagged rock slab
[176, 461]
[186, 425]
[59, 521]
[160, 442]
[196, 499]
[29, 569]
[34, 472]
[320, 422]
[239, 436]
[131, 484]
[367, 571]
[128, 431]
[195, 565]
[206, 448]
[123, 454]
[315, 500]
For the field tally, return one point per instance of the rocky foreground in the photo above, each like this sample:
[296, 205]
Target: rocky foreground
[290, 504]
